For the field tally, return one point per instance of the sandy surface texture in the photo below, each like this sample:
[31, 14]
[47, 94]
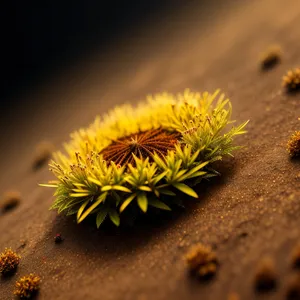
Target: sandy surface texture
[251, 211]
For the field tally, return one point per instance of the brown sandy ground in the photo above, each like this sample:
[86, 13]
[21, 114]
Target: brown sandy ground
[252, 210]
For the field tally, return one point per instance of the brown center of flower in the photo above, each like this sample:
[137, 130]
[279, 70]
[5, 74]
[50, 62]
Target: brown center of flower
[142, 144]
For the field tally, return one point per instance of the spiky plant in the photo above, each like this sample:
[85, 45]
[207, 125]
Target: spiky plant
[143, 155]
[9, 261]
[293, 145]
[202, 260]
[291, 81]
[27, 286]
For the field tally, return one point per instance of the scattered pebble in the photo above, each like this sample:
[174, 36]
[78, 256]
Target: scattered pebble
[293, 288]
[27, 286]
[11, 199]
[9, 261]
[271, 57]
[202, 261]
[291, 81]
[265, 277]
[58, 238]
[23, 244]
[43, 153]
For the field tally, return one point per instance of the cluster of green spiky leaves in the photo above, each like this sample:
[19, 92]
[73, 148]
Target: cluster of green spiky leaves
[88, 185]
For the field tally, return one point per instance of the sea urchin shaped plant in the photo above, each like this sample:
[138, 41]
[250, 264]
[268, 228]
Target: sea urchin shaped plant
[293, 145]
[143, 155]
[202, 261]
[27, 286]
[9, 261]
[291, 81]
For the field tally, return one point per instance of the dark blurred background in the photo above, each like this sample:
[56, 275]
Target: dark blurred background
[42, 41]
[42, 37]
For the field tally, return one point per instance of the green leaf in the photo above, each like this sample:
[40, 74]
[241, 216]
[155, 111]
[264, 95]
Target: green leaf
[121, 188]
[142, 201]
[101, 217]
[49, 185]
[179, 175]
[145, 188]
[167, 192]
[80, 191]
[79, 195]
[177, 166]
[197, 174]
[158, 204]
[210, 175]
[160, 177]
[100, 199]
[185, 189]
[82, 207]
[127, 202]
[106, 188]
[114, 216]
[190, 173]
[159, 161]
[94, 181]
[78, 185]
[117, 197]
[194, 157]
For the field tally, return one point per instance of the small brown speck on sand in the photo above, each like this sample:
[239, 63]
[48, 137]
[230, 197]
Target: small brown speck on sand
[43, 153]
[293, 288]
[23, 244]
[271, 57]
[202, 261]
[10, 200]
[58, 238]
[265, 277]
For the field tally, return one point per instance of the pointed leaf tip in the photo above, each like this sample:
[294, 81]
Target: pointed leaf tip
[143, 202]
[114, 217]
[127, 202]
[159, 204]
[101, 217]
[185, 189]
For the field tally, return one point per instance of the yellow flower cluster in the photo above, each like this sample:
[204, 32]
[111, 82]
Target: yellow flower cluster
[153, 166]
